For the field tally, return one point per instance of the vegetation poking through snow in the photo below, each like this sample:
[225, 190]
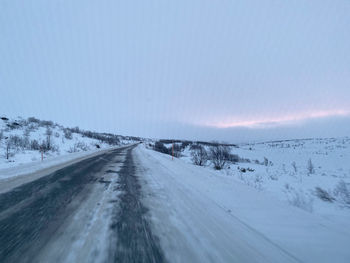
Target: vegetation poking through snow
[199, 155]
[23, 140]
[311, 174]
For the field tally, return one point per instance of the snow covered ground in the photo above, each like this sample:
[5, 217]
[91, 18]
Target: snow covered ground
[21, 141]
[282, 169]
[281, 201]
[204, 215]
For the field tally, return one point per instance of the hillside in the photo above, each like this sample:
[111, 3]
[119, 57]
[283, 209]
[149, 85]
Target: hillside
[27, 140]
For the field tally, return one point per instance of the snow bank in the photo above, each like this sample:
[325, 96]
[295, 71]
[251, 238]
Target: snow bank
[34, 166]
[196, 199]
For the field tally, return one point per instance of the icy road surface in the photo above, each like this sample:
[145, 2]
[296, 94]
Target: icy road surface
[90, 211]
[136, 205]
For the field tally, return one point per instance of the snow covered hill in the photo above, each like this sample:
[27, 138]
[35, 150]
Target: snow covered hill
[25, 140]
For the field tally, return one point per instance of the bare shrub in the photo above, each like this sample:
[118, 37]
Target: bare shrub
[33, 120]
[46, 123]
[79, 146]
[26, 136]
[82, 146]
[234, 158]
[219, 155]
[184, 144]
[266, 161]
[160, 147]
[75, 129]
[199, 155]
[256, 161]
[73, 149]
[342, 192]
[67, 134]
[175, 149]
[258, 182]
[324, 195]
[273, 176]
[34, 145]
[194, 146]
[294, 165]
[310, 167]
[301, 200]
[17, 142]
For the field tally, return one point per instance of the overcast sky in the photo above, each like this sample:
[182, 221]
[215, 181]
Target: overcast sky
[224, 70]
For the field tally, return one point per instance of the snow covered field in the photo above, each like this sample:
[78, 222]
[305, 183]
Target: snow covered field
[213, 216]
[323, 190]
[310, 174]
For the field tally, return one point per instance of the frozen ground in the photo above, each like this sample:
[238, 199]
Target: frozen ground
[202, 215]
[281, 170]
[282, 201]
[138, 205]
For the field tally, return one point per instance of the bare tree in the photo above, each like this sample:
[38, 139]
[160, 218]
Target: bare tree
[8, 147]
[34, 145]
[26, 136]
[199, 155]
[219, 154]
[176, 149]
[266, 161]
[48, 138]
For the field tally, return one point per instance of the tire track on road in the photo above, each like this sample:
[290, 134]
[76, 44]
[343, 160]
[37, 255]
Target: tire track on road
[135, 241]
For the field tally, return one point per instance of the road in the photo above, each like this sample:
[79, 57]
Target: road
[87, 212]
[129, 205]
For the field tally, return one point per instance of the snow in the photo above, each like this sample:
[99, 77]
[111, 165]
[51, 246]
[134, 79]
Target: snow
[202, 215]
[24, 160]
[264, 208]
[86, 235]
[28, 167]
[329, 156]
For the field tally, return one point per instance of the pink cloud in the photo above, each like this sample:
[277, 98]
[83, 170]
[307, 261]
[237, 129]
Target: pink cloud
[265, 122]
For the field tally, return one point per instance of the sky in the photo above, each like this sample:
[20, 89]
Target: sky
[202, 70]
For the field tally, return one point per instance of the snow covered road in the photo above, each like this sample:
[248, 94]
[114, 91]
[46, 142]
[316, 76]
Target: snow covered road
[136, 205]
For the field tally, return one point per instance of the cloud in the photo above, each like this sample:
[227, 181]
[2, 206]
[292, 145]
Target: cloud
[272, 122]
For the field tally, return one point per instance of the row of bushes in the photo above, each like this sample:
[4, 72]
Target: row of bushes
[16, 143]
[108, 138]
[33, 123]
[218, 154]
[160, 147]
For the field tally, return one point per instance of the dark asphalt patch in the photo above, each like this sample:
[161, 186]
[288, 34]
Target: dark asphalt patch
[135, 241]
[111, 172]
